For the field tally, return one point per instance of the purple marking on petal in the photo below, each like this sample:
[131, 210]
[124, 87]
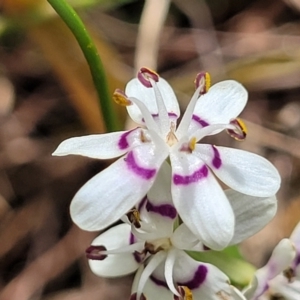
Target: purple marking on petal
[217, 161]
[265, 288]
[165, 210]
[173, 115]
[131, 239]
[170, 114]
[142, 203]
[196, 176]
[140, 171]
[137, 256]
[200, 121]
[123, 142]
[198, 279]
[297, 259]
[158, 281]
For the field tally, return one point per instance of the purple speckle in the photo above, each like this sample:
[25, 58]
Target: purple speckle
[196, 176]
[197, 280]
[165, 210]
[141, 172]
[217, 161]
[200, 121]
[123, 142]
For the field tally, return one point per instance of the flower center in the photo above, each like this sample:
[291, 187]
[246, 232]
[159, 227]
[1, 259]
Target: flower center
[171, 138]
[155, 246]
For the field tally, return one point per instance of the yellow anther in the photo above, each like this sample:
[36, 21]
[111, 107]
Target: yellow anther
[240, 131]
[149, 72]
[192, 144]
[120, 98]
[185, 293]
[134, 217]
[143, 137]
[145, 74]
[207, 81]
[203, 81]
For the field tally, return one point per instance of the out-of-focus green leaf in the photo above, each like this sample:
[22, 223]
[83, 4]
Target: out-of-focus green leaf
[230, 262]
[108, 4]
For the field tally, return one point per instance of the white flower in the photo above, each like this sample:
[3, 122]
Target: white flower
[196, 193]
[152, 246]
[281, 275]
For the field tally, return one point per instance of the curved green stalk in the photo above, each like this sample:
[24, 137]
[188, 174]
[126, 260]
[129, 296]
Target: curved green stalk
[72, 20]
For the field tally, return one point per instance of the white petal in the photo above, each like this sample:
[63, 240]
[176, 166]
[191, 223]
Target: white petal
[281, 259]
[184, 239]
[146, 95]
[295, 237]
[251, 214]
[243, 171]
[204, 280]
[224, 101]
[113, 192]
[200, 201]
[155, 261]
[152, 290]
[115, 264]
[157, 208]
[101, 146]
[289, 290]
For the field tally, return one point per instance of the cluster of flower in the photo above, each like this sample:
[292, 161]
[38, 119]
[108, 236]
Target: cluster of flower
[165, 190]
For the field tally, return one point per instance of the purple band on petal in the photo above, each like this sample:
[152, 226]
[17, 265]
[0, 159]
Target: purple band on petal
[123, 142]
[198, 279]
[217, 161]
[158, 281]
[170, 114]
[200, 121]
[297, 259]
[165, 210]
[141, 172]
[196, 176]
[142, 203]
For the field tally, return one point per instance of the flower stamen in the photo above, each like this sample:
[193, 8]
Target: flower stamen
[120, 98]
[134, 217]
[203, 80]
[185, 293]
[95, 252]
[239, 131]
[158, 245]
[144, 76]
[192, 144]
[289, 274]
[171, 138]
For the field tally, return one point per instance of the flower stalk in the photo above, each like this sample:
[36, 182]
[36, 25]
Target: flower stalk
[73, 21]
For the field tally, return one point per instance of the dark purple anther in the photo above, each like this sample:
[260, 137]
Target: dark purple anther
[94, 252]
[145, 74]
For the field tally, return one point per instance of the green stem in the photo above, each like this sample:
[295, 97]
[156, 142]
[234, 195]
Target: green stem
[72, 20]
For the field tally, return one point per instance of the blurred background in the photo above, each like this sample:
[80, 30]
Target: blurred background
[47, 95]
